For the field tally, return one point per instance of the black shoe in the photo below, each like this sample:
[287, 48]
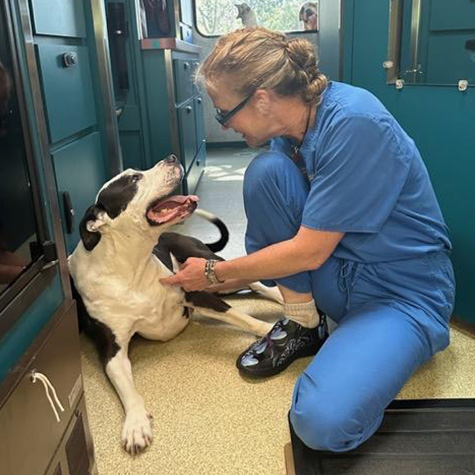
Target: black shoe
[286, 342]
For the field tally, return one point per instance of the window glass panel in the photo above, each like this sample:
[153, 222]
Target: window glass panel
[17, 215]
[218, 17]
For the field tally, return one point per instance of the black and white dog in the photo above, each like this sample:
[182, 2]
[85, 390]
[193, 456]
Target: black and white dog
[116, 270]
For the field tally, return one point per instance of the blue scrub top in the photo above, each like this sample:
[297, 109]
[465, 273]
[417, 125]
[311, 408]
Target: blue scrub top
[367, 179]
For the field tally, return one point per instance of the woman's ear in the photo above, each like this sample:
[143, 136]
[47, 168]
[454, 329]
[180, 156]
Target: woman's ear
[262, 100]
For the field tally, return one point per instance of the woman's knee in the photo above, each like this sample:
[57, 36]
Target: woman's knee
[270, 170]
[264, 166]
[323, 423]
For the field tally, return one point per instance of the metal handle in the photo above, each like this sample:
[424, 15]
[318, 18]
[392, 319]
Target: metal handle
[186, 65]
[188, 109]
[199, 100]
[70, 59]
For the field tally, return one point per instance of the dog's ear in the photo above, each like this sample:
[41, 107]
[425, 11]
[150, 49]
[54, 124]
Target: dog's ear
[301, 14]
[94, 218]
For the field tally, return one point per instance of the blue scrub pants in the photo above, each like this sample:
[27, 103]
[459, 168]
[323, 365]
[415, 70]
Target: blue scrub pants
[392, 316]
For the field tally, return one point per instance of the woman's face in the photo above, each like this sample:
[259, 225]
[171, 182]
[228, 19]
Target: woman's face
[251, 121]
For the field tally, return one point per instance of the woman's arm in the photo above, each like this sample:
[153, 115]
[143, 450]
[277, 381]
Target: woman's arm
[307, 250]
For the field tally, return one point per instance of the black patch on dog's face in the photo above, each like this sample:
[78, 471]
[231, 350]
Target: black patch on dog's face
[115, 198]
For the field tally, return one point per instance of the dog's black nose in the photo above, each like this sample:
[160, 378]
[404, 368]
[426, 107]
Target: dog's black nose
[171, 159]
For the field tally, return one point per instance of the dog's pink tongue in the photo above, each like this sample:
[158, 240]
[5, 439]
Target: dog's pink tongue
[170, 208]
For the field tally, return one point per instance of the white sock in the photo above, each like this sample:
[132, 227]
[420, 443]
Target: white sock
[305, 314]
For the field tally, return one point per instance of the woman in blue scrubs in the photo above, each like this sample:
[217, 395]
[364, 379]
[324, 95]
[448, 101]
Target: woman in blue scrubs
[342, 217]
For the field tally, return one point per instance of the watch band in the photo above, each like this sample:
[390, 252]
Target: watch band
[209, 272]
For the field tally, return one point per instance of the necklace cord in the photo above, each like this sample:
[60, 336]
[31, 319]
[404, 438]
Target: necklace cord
[296, 148]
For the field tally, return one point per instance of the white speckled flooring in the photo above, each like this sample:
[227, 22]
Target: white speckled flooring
[208, 419]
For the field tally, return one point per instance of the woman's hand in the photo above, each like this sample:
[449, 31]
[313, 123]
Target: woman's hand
[191, 275]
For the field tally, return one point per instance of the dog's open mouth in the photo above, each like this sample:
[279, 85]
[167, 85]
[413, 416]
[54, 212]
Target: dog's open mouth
[171, 208]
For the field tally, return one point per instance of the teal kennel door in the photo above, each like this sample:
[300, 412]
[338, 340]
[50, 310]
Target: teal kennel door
[418, 58]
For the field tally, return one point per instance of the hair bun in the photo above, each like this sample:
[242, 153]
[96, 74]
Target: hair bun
[257, 57]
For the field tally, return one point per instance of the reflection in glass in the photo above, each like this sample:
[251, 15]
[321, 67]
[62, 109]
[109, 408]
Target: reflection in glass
[17, 218]
[432, 41]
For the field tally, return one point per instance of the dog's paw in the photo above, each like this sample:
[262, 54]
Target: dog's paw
[137, 431]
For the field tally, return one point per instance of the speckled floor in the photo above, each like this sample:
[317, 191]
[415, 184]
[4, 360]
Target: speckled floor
[208, 419]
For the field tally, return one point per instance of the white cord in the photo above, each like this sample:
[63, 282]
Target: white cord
[47, 385]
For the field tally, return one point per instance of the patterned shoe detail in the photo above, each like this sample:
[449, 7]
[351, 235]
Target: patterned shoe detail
[278, 334]
[249, 360]
[286, 342]
[261, 347]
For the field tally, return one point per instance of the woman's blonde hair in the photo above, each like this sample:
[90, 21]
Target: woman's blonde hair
[258, 58]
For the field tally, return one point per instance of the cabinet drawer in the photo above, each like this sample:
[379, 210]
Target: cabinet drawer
[59, 18]
[67, 89]
[186, 125]
[184, 70]
[27, 417]
[79, 171]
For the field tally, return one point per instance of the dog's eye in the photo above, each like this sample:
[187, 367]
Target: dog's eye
[136, 177]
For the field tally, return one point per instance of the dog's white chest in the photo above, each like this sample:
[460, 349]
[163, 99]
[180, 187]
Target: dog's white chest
[130, 303]
[165, 319]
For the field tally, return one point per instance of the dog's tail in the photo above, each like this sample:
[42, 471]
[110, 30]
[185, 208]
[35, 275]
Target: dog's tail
[223, 240]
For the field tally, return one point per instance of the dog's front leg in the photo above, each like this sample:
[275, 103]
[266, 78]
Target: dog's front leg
[238, 319]
[137, 429]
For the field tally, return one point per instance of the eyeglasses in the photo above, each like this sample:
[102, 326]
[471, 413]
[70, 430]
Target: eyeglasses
[224, 117]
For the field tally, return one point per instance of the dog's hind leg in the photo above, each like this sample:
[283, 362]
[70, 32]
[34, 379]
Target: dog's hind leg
[237, 318]
[137, 429]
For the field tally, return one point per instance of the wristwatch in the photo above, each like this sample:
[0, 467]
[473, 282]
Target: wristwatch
[209, 272]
